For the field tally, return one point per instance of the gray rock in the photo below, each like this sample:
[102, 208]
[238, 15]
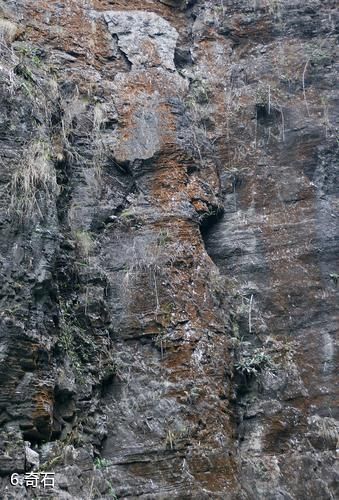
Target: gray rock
[32, 458]
[146, 39]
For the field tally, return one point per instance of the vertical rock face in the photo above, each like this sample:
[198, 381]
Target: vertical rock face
[169, 267]
[277, 241]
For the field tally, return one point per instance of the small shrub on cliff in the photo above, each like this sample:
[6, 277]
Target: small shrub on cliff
[84, 243]
[101, 463]
[8, 30]
[253, 364]
[274, 7]
[9, 61]
[199, 93]
[34, 179]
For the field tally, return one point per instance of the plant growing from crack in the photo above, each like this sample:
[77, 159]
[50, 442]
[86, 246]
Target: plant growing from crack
[34, 176]
[170, 440]
[84, 244]
[101, 463]
[253, 364]
[74, 341]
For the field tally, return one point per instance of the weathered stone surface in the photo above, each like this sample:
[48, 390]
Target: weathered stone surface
[32, 459]
[146, 39]
[168, 257]
[146, 123]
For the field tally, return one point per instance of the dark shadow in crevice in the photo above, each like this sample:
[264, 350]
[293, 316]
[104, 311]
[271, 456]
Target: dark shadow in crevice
[267, 116]
[63, 175]
[64, 411]
[209, 221]
[182, 58]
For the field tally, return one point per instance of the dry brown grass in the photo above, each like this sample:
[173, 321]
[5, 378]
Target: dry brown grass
[34, 176]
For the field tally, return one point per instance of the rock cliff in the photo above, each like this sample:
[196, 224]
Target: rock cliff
[169, 248]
